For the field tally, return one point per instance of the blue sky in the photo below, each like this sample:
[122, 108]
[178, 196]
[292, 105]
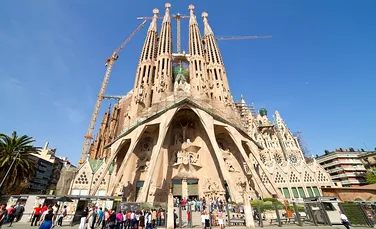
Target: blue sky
[318, 70]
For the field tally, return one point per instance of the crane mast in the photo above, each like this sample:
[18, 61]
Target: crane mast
[109, 63]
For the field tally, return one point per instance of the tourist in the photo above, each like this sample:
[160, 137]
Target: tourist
[175, 218]
[345, 221]
[129, 214]
[91, 218]
[220, 219]
[63, 214]
[153, 217]
[83, 219]
[100, 217]
[19, 211]
[37, 212]
[44, 208]
[148, 219]
[124, 220]
[10, 215]
[47, 220]
[189, 219]
[119, 220]
[163, 215]
[3, 213]
[112, 220]
[106, 216]
[141, 222]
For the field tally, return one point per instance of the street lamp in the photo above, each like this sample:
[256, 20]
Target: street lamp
[10, 167]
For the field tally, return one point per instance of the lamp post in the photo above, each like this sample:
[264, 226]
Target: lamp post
[10, 167]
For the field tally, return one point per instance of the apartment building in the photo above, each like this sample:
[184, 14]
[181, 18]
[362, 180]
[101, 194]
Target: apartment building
[48, 170]
[345, 166]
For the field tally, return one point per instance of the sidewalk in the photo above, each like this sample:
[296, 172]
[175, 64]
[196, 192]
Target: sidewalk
[20, 225]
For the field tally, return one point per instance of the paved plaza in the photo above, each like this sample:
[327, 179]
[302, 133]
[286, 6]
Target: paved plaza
[27, 225]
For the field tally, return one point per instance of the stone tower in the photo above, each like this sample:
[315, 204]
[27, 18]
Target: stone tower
[180, 131]
[197, 63]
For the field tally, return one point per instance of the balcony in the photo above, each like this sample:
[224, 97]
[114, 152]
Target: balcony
[354, 168]
[345, 182]
[335, 170]
[345, 175]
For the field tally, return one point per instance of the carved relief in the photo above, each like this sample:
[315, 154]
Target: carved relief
[293, 159]
[140, 95]
[227, 157]
[162, 84]
[210, 185]
[152, 189]
[241, 182]
[143, 161]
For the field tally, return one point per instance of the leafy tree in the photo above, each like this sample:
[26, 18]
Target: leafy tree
[16, 150]
[371, 177]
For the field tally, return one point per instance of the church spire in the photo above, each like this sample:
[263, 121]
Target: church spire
[146, 66]
[197, 67]
[220, 89]
[163, 78]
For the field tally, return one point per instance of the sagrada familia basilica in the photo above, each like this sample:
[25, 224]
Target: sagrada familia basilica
[179, 131]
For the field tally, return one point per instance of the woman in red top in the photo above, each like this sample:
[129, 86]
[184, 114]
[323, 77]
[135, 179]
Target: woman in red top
[37, 214]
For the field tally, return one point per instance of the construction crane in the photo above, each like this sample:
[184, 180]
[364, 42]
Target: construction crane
[114, 97]
[241, 38]
[109, 64]
[178, 17]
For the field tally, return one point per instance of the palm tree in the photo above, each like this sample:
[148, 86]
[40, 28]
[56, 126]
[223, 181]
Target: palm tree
[15, 156]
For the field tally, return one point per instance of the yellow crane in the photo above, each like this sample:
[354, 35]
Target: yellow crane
[109, 64]
[178, 17]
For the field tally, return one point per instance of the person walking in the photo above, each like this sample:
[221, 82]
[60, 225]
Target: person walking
[112, 220]
[48, 220]
[37, 213]
[3, 214]
[220, 219]
[10, 216]
[83, 219]
[345, 221]
[19, 211]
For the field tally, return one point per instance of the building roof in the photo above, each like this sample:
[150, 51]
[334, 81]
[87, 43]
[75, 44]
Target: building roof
[365, 187]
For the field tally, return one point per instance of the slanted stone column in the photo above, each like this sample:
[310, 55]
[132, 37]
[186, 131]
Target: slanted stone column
[170, 211]
[248, 212]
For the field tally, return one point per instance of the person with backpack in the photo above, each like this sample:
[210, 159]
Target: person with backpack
[19, 211]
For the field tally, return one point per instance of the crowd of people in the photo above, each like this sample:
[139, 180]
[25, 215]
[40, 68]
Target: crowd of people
[95, 217]
[45, 217]
[200, 205]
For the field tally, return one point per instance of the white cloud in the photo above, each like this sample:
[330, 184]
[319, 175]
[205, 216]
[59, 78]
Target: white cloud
[74, 115]
[11, 84]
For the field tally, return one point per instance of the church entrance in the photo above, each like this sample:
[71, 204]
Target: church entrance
[185, 188]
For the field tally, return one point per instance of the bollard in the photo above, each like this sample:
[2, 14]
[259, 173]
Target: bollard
[297, 214]
[277, 212]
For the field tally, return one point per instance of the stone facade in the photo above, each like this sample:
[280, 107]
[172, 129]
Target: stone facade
[179, 131]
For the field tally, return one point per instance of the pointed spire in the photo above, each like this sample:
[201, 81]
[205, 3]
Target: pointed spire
[207, 29]
[167, 17]
[192, 18]
[153, 24]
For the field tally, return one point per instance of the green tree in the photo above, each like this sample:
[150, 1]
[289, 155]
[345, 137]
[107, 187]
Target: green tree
[16, 150]
[371, 177]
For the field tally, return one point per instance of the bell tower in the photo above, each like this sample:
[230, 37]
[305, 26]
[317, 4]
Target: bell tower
[142, 90]
[163, 78]
[197, 67]
[218, 83]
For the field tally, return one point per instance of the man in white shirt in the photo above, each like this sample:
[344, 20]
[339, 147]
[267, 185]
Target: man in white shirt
[344, 220]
